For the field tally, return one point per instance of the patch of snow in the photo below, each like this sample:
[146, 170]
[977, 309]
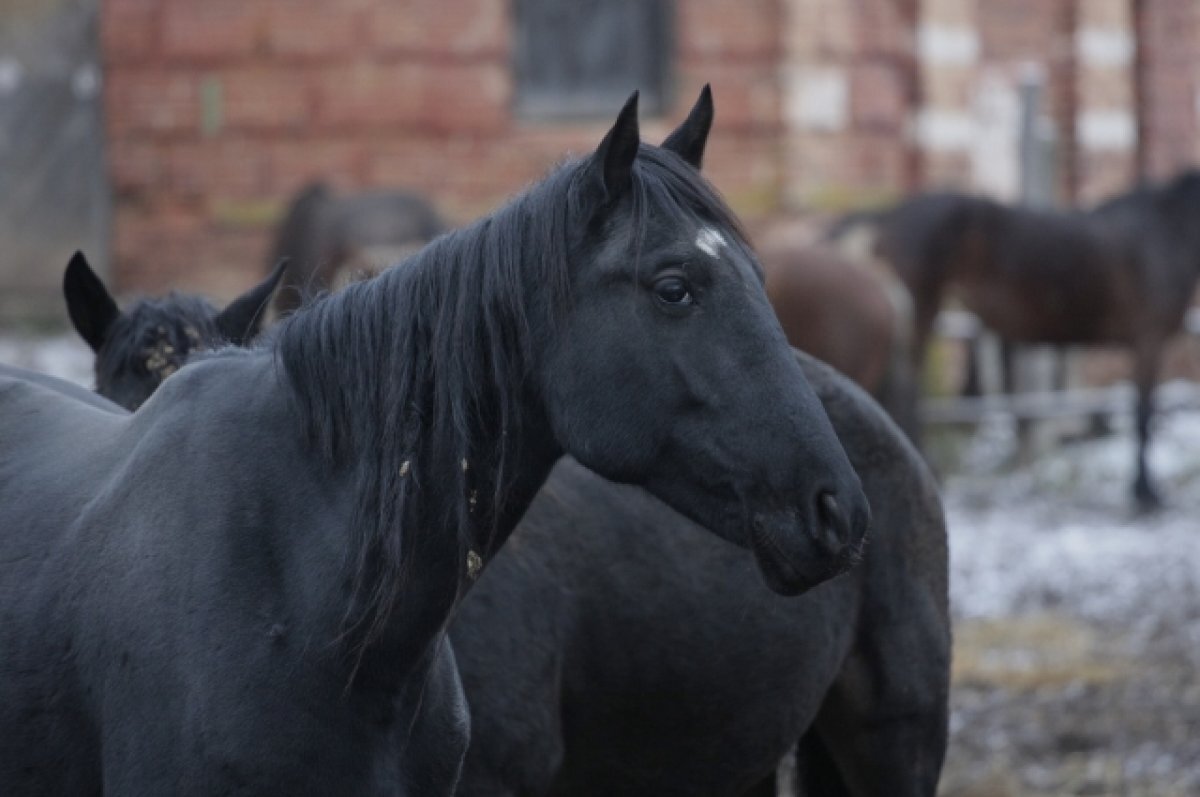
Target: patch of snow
[1060, 535]
[65, 356]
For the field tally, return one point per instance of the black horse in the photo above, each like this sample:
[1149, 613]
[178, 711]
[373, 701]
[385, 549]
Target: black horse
[136, 349]
[681, 593]
[613, 647]
[178, 617]
[328, 239]
[1122, 273]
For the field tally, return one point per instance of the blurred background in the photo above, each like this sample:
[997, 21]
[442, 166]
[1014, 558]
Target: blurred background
[167, 138]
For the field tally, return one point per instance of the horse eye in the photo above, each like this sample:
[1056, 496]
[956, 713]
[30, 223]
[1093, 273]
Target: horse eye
[673, 290]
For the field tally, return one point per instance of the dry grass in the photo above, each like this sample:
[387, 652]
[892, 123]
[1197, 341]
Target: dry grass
[1032, 652]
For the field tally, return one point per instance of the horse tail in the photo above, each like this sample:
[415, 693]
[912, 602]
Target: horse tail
[298, 240]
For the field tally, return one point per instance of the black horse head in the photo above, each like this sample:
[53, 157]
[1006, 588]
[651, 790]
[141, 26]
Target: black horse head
[670, 369]
[617, 307]
[136, 349]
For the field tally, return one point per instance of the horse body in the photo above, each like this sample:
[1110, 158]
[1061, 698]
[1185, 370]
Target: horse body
[849, 311]
[614, 647]
[1122, 273]
[180, 658]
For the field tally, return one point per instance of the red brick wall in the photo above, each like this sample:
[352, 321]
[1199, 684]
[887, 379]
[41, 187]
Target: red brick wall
[1171, 49]
[217, 111]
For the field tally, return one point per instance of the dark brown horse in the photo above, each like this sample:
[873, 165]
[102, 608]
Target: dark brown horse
[1122, 273]
[850, 311]
[329, 239]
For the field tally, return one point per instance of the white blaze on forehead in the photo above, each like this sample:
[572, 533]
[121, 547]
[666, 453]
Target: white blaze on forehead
[710, 242]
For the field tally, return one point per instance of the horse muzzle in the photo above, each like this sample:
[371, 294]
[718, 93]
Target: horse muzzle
[799, 548]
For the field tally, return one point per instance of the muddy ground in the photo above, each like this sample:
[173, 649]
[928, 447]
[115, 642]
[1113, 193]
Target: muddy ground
[1077, 623]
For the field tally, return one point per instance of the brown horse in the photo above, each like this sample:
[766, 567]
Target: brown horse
[848, 310]
[1122, 273]
[329, 240]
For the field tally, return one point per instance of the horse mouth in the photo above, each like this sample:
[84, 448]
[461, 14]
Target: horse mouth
[791, 574]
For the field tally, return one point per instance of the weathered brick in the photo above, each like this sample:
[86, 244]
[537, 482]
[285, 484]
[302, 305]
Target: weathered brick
[136, 166]
[464, 97]
[153, 247]
[138, 101]
[878, 97]
[362, 94]
[212, 30]
[712, 28]
[464, 28]
[274, 97]
[217, 167]
[129, 30]
[746, 95]
[313, 29]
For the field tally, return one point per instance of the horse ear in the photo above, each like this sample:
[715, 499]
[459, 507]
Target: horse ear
[613, 159]
[91, 308]
[240, 322]
[688, 140]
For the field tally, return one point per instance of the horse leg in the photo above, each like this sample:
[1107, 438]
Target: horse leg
[877, 746]
[973, 381]
[816, 773]
[1147, 356]
[767, 787]
[883, 725]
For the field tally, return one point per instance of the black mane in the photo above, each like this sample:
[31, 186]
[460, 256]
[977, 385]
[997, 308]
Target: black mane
[419, 377]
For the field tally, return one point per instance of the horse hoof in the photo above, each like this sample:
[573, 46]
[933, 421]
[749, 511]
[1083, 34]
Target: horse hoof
[1147, 500]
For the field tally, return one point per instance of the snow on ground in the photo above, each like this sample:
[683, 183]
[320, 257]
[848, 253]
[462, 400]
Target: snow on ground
[1060, 534]
[64, 355]
[1077, 621]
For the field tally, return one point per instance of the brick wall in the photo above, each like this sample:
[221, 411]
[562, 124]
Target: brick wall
[1171, 99]
[217, 111]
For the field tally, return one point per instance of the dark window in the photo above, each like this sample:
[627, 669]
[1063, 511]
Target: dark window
[583, 58]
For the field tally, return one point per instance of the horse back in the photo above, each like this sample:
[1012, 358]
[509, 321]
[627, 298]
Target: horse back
[144, 556]
[832, 308]
[57, 442]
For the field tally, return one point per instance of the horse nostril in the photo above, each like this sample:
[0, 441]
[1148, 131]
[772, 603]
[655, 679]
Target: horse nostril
[831, 523]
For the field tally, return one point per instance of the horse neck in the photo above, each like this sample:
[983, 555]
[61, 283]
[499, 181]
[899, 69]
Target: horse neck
[447, 449]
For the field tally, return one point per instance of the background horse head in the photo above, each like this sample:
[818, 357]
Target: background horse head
[329, 239]
[137, 348]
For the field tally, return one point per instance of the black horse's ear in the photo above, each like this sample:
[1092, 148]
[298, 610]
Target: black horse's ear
[91, 308]
[613, 159]
[240, 322]
[688, 140]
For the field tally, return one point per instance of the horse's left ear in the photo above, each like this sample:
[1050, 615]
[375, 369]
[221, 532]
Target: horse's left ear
[612, 162]
[240, 322]
[689, 138]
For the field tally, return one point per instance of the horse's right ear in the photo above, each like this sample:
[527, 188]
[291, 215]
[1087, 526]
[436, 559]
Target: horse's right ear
[688, 140]
[240, 322]
[611, 165]
[91, 308]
